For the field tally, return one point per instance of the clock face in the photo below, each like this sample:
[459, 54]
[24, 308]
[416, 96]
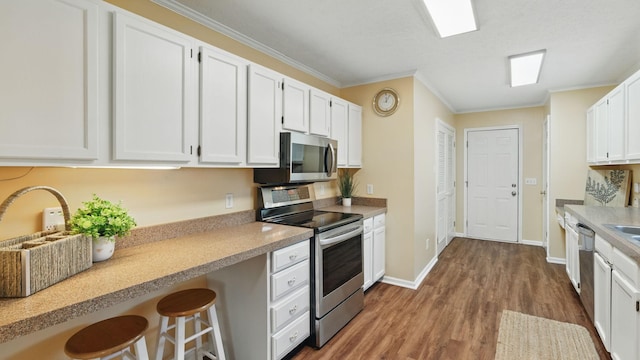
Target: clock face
[386, 102]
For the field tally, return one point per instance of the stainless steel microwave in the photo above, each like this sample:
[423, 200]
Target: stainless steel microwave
[303, 159]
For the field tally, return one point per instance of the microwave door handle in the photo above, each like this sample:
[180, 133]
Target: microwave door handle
[330, 168]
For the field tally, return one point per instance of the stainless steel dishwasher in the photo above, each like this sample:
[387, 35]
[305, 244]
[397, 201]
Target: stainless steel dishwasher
[586, 246]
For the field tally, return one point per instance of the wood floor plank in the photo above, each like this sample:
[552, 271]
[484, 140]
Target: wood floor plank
[455, 313]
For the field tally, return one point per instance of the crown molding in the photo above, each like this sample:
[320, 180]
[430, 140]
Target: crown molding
[198, 17]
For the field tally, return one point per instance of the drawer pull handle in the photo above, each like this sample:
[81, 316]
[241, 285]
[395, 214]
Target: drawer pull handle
[292, 281]
[293, 337]
[293, 256]
[293, 309]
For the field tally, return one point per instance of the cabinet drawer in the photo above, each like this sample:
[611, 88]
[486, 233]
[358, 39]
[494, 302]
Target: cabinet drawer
[379, 220]
[288, 280]
[293, 254]
[368, 225]
[289, 308]
[626, 266]
[603, 247]
[290, 337]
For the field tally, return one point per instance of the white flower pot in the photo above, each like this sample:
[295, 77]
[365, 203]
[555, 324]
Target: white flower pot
[346, 201]
[103, 248]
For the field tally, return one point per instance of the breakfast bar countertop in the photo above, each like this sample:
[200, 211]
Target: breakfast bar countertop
[138, 270]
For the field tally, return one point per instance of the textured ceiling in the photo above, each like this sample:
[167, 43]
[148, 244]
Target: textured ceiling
[588, 43]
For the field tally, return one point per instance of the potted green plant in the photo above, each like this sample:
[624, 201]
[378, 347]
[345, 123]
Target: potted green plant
[102, 220]
[347, 186]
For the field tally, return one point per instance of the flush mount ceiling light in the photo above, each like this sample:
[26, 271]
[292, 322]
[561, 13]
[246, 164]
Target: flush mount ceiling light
[452, 17]
[525, 68]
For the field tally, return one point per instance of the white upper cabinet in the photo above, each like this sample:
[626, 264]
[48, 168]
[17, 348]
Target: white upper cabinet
[355, 136]
[319, 113]
[632, 93]
[601, 138]
[223, 108]
[295, 106]
[154, 89]
[615, 119]
[264, 116]
[339, 128]
[49, 87]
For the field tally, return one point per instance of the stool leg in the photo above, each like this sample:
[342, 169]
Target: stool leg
[213, 319]
[164, 324]
[196, 324]
[141, 349]
[180, 337]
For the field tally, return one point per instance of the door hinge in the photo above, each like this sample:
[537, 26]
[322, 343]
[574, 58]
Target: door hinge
[199, 150]
[637, 306]
[191, 150]
[454, 184]
[192, 53]
[467, 143]
[200, 56]
[282, 85]
[330, 103]
[282, 120]
[454, 224]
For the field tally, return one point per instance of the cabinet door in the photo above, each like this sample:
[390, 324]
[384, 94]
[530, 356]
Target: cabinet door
[367, 255]
[319, 113]
[154, 89]
[49, 72]
[616, 118]
[632, 93]
[601, 132]
[591, 147]
[624, 319]
[223, 107]
[355, 136]
[295, 106]
[339, 126]
[264, 114]
[602, 299]
[378, 253]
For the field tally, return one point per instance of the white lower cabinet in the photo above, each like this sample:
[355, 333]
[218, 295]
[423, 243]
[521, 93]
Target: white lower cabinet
[264, 303]
[616, 301]
[602, 299]
[373, 239]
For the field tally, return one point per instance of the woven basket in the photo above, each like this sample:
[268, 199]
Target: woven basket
[33, 262]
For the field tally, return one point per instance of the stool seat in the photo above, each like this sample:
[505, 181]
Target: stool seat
[186, 302]
[106, 337]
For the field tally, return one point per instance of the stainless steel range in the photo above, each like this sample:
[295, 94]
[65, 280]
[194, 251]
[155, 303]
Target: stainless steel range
[336, 255]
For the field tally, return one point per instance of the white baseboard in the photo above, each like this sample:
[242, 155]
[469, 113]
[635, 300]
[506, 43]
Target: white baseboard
[532, 242]
[413, 285]
[555, 260]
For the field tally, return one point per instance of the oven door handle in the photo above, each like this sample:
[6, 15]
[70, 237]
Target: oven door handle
[341, 236]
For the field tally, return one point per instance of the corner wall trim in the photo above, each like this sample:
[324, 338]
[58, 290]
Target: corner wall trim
[413, 285]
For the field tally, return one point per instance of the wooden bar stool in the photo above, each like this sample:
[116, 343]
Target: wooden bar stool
[110, 338]
[185, 306]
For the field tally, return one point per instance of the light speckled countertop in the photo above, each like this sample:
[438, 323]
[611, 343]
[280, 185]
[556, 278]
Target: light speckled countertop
[596, 216]
[141, 269]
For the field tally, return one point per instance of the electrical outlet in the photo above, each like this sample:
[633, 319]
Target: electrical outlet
[52, 219]
[321, 190]
[369, 189]
[228, 201]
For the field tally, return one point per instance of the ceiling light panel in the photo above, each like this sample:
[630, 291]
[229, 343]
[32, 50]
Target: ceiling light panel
[525, 68]
[452, 17]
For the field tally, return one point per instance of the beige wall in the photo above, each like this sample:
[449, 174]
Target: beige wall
[530, 121]
[399, 160]
[567, 154]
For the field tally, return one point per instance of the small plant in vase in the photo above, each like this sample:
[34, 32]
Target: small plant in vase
[347, 186]
[103, 221]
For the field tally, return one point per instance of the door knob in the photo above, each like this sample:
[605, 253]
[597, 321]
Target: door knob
[543, 192]
[513, 193]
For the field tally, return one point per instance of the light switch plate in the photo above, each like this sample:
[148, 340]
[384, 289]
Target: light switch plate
[531, 181]
[228, 201]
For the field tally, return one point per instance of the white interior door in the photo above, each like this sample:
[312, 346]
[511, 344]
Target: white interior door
[492, 184]
[545, 183]
[446, 211]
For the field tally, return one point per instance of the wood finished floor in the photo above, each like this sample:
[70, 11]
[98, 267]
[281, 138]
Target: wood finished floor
[455, 313]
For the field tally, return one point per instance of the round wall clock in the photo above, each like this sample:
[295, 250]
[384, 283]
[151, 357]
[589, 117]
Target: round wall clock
[386, 102]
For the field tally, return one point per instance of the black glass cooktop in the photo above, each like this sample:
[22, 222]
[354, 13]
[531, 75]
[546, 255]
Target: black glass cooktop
[317, 219]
